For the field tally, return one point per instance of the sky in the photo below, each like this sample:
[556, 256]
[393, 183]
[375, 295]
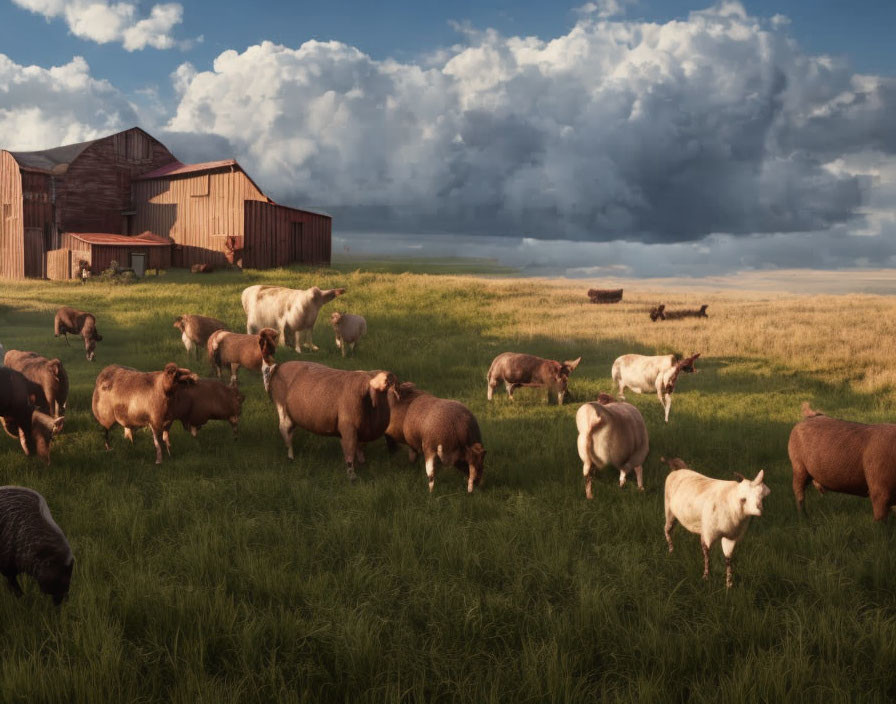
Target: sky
[623, 137]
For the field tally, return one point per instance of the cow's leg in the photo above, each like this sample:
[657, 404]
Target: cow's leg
[621, 393]
[155, 441]
[471, 478]
[310, 335]
[622, 477]
[881, 501]
[584, 446]
[490, 389]
[251, 326]
[800, 480]
[106, 439]
[412, 454]
[235, 424]
[639, 474]
[234, 368]
[667, 404]
[349, 439]
[188, 343]
[297, 337]
[23, 441]
[705, 546]
[431, 471]
[728, 549]
[359, 454]
[511, 388]
[65, 337]
[667, 529]
[129, 434]
[287, 428]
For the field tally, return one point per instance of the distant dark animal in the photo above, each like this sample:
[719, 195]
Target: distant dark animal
[291, 311]
[31, 543]
[517, 370]
[436, 427]
[48, 375]
[641, 373]
[611, 433]
[196, 329]
[236, 350]
[714, 509]
[846, 457]
[77, 322]
[194, 405]
[202, 268]
[605, 295]
[660, 313]
[21, 420]
[351, 405]
[135, 399]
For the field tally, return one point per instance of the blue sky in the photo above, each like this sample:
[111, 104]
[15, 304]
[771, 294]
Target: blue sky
[635, 132]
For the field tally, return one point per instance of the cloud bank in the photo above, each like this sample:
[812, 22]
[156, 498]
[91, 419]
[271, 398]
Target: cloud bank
[102, 21]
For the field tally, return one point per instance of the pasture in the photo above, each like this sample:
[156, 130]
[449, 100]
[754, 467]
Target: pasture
[229, 574]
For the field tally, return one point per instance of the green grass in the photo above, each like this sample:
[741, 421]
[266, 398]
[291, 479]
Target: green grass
[229, 574]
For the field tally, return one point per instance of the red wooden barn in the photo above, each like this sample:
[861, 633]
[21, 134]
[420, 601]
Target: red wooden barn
[69, 203]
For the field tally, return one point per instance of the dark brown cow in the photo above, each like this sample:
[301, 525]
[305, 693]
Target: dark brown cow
[135, 399]
[351, 405]
[48, 375]
[517, 370]
[196, 404]
[436, 427]
[69, 321]
[850, 458]
[21, 420]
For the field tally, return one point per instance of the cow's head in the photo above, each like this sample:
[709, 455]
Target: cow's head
[750, 493]
[559, 377]
[174, 377]
[43, 429]
[687, 364]
[179, 323]
[335, 318]
[267, 343]
[53, 571]
[382, 383]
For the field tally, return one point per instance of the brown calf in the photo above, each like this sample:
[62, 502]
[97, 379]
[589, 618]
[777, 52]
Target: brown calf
[239, 350]
[517, 370]
[135, 399]
[69, 321]
[47, 375]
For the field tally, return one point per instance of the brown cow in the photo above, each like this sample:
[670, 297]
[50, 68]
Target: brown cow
[196, 404]
[77, 322]
[135, 399]
[196, 329]
[33, 429]
[239, 350]
[850, 458]
[48, 375]
[436, 427]
[351, 405]
[517, 370]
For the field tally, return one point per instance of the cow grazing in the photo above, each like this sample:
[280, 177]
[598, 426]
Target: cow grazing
[236, 350]
[194, 405]
[31, 543]
[660, 313]
[605, 295]
[196, 329]
[69, 321]
[436, 428]
[21, 420]
[349, 328]
[286, 309]
[611, 433]
[48, 376]
[713, 509]
[641, 373]
[135, 399]
[351, 405]
[517, 370]
[846, 457]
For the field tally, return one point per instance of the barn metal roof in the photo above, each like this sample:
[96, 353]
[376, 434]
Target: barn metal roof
[55, 160]
[176, 168]
[107, 239]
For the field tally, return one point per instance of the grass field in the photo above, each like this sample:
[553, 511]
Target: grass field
[228, 574]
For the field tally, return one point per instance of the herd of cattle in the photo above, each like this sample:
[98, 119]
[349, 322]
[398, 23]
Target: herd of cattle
[359, 407]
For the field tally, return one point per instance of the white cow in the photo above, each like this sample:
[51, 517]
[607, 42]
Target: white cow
[288, 310]
[713, 508]
[611, 432]
[641, 373]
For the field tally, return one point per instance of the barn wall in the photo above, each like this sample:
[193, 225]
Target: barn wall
[12, 235]
[101, 257]
[92, 194]
[198, 211]
[270, 237]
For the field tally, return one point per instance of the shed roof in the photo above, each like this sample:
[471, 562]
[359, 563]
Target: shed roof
[55, 160]
[107, 239]
[176, 168]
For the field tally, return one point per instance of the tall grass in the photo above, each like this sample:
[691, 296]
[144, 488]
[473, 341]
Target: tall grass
[229, 574]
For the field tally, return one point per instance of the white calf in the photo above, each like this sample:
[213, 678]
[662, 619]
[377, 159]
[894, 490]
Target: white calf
[641, 373]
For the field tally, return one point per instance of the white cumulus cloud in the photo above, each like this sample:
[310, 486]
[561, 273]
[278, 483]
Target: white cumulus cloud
[102, 21]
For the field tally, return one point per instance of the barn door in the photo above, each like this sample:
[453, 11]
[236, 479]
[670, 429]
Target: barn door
[296, 250]
[34, 252]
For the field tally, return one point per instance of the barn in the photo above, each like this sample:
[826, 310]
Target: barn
[129, 183]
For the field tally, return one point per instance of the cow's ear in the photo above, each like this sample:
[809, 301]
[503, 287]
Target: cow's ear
[572, 364]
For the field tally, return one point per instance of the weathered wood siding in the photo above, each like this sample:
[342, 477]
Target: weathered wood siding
[198, 211]
[278, 236]
[95, 190]
[12, 233]
[59, 264]
[101, 256]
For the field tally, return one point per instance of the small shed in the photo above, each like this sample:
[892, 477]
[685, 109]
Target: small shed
[99, 249]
